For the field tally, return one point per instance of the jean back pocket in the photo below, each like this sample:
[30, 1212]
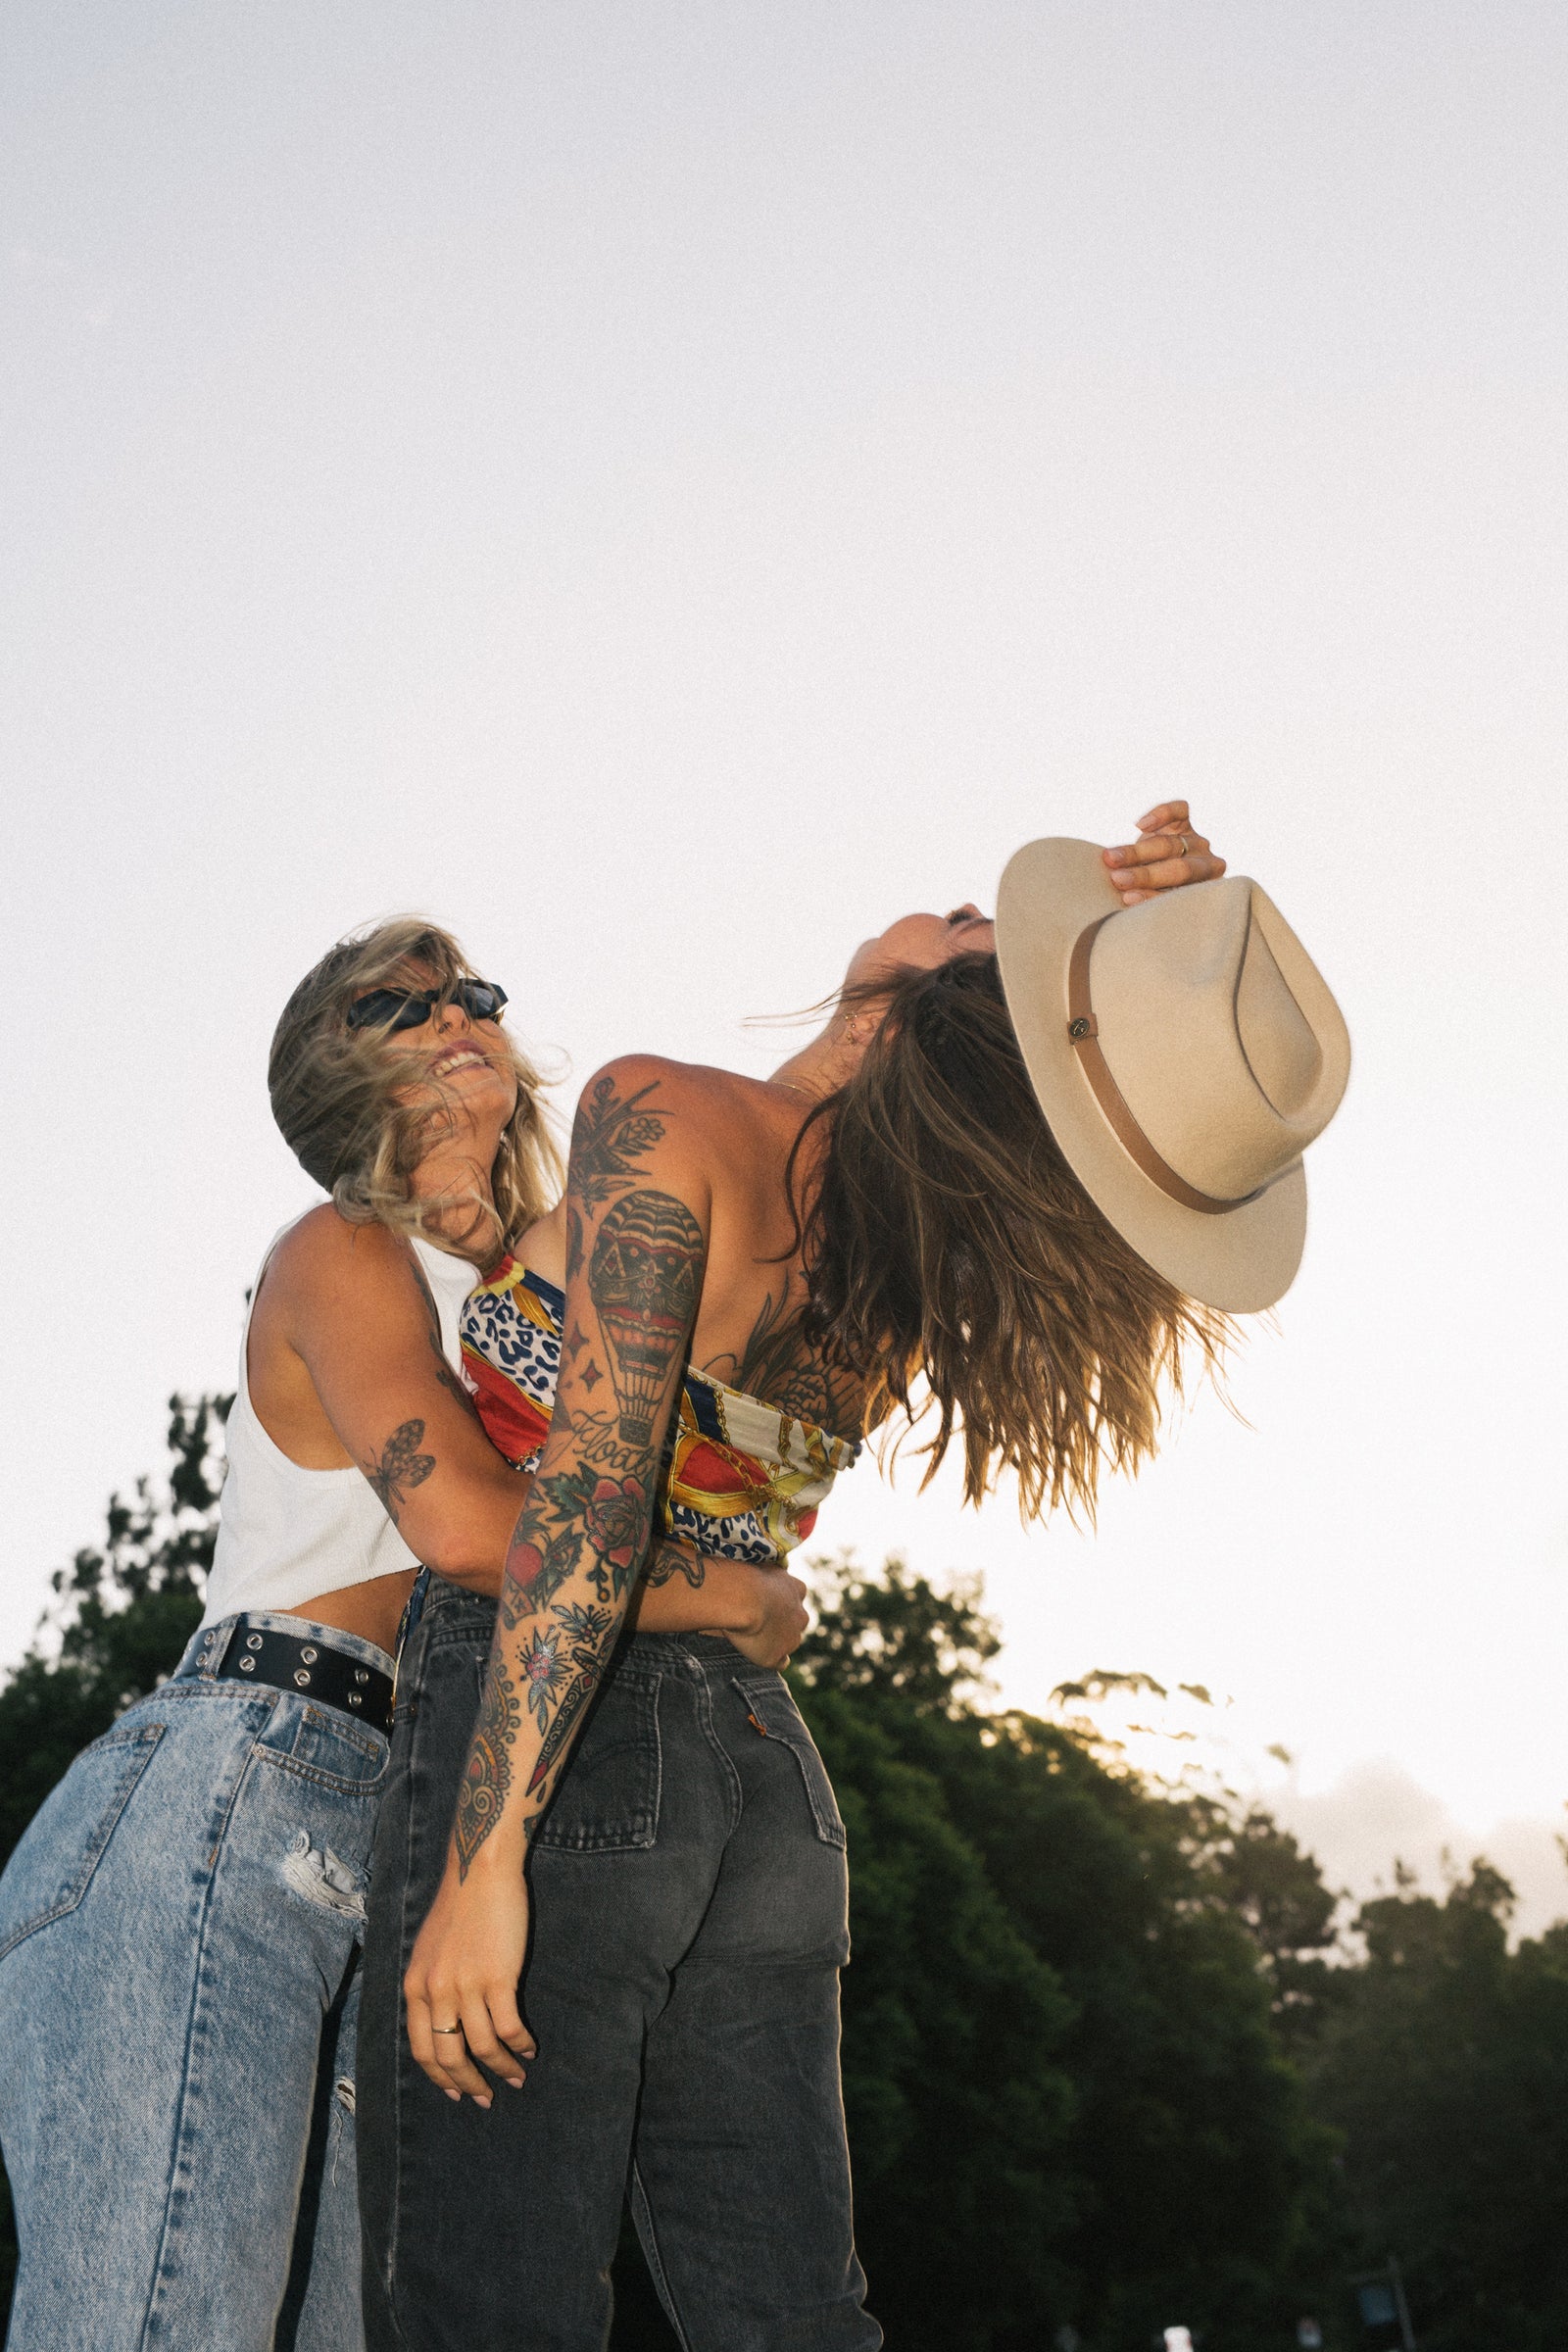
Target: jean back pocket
[607, 1800]
[775, 1715]
[63, 1845]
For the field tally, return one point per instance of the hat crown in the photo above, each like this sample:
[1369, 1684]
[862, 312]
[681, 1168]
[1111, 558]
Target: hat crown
[1227, 1047]
[1276, 1036]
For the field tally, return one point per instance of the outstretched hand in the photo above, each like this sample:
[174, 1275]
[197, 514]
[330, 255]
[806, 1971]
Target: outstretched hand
[1166, 854]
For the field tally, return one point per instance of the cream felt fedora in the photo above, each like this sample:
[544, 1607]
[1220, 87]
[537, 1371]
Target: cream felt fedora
[1185, 1052]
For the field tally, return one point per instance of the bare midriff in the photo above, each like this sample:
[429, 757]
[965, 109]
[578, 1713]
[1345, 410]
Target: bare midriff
[371, 1610]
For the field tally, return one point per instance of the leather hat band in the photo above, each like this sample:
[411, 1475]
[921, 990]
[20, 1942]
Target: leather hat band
[1084, 1031]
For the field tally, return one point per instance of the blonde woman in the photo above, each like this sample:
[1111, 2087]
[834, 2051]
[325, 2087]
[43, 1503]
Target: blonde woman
[179, 1929]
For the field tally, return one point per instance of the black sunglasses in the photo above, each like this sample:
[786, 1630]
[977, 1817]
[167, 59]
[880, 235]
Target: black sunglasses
[394, 1008]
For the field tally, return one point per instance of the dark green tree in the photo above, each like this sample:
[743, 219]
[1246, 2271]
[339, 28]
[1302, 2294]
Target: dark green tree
[124, 1610]
[960, 2100]
[1445, 2070]
[1182, 2178]
[893, 1636]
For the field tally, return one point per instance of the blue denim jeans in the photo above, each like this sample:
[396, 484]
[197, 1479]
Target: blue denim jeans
[179, 1932]
[689, 1909]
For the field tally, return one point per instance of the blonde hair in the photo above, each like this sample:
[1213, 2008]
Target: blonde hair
[334, 1093]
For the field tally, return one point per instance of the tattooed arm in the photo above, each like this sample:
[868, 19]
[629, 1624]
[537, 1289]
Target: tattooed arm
[346, 1367]
[638, 1207]
[761, 1609]
[346, 1371]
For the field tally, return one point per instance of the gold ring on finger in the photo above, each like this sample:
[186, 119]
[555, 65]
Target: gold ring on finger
[446, 2029]
[1187, 847]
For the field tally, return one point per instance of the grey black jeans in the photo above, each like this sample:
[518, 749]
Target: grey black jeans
[689, 1908]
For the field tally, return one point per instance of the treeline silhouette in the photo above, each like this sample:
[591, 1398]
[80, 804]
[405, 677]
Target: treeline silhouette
[1113, 2058]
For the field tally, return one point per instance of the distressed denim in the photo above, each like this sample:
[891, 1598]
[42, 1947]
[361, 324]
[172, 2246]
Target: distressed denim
[180, 1935]
[688, 1910]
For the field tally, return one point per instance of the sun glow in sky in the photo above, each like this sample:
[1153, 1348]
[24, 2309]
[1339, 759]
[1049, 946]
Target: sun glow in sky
[667, 489]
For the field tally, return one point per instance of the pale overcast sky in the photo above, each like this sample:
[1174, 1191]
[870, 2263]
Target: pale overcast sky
[666, 488]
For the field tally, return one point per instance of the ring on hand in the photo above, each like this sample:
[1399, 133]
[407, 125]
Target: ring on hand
[1185, 849]
[446, 2029]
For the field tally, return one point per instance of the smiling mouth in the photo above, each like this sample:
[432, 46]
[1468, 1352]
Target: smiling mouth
[463, 1057]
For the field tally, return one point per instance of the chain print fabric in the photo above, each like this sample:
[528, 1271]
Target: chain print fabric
[744, 1481]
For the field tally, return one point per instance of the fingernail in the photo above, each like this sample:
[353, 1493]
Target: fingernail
[455, 2094]
[1115, 857]
[517, 2081]
[481, 2098]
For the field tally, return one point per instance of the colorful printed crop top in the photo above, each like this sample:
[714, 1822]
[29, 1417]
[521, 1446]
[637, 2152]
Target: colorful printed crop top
[742, 1481]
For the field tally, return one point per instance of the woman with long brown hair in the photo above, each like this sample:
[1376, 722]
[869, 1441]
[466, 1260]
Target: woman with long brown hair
[179, 1927]
[757, 1271]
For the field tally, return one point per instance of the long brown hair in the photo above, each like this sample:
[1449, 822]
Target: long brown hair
[336, 1097]
[948, 1247]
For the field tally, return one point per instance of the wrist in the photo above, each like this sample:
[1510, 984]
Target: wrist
[739, 1604]
[499, 1858]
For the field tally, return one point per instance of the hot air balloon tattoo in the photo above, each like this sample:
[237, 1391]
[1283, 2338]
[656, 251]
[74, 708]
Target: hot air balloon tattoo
[643, 1280]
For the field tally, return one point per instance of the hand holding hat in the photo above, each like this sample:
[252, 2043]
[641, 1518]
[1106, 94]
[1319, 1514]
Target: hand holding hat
[1185, 1051]
[1167, 853]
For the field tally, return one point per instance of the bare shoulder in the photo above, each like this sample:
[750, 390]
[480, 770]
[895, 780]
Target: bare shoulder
[326, 1256]
[638, 1091]
[644, 1107]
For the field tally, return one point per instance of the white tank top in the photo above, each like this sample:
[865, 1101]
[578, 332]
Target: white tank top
[285, 1535]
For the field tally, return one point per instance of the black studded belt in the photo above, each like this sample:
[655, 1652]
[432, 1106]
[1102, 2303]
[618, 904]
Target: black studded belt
[334, 1678]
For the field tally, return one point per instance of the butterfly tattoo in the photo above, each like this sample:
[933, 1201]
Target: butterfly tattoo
[400, 1465]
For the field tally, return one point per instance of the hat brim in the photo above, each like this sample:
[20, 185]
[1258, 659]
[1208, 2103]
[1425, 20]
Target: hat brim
[1241, 1261]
